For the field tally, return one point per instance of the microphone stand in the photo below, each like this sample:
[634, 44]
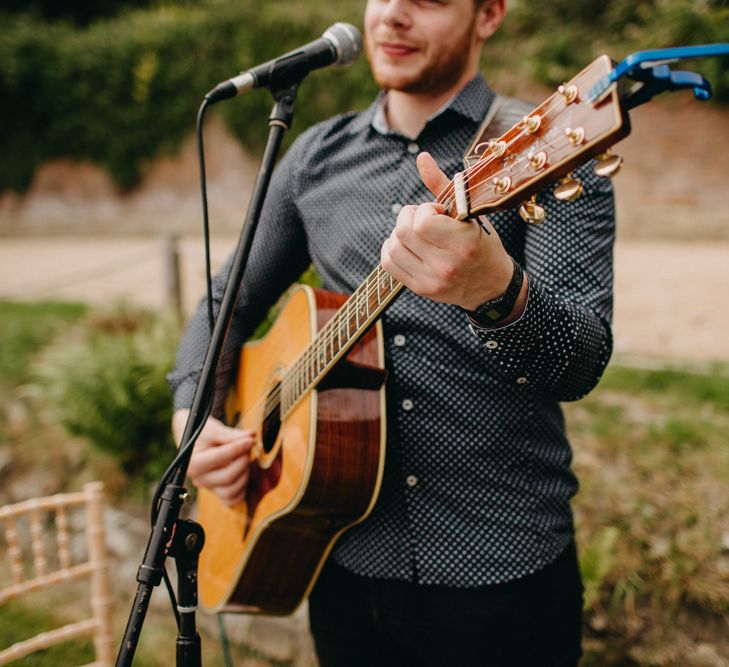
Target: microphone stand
[184, 539]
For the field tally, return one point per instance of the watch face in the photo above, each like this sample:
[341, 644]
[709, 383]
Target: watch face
[497, 309]
[489, 313]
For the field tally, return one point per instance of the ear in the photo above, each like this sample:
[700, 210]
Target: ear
[490, 15]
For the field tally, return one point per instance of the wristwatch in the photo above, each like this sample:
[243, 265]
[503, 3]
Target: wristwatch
[495, 310]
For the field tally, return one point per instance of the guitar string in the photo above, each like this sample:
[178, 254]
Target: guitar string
[273, 397]
[484, 163]
[325, 337]
[290, 379]
[549, 105]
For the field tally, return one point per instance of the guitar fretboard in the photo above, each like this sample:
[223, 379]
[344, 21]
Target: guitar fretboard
[337, 336]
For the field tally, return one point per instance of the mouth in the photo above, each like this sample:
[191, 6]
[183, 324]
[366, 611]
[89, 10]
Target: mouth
[396, 49]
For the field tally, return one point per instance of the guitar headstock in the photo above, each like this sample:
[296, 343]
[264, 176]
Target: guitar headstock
[563, 132]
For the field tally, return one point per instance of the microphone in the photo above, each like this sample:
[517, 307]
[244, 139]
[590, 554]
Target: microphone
[340, 44]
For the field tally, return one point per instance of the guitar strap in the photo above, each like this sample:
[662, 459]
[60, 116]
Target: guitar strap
[503, 114]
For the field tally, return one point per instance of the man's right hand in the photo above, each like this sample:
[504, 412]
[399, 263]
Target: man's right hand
[220, 459]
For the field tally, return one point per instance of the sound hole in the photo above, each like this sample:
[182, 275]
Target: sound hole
[271, 418]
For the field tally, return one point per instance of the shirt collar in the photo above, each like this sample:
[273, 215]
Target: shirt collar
[472, 102]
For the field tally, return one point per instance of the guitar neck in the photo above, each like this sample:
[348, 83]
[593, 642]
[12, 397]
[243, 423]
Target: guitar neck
[336, 338]
[562, 133]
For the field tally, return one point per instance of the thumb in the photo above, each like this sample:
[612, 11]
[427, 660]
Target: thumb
[433, 178]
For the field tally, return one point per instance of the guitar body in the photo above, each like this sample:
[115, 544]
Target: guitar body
[313, 474]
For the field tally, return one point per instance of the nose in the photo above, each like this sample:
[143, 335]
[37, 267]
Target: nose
[396, 14]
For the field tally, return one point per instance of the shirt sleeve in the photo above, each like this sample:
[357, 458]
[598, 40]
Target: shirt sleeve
[278, 256]
[563, 340]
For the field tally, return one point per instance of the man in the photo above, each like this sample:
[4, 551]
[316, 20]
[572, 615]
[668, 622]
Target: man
[468, 556]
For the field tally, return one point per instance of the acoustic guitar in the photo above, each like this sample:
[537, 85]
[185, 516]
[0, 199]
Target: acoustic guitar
[313, 389]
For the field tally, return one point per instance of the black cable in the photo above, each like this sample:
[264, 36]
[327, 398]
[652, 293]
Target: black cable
[206, 225]
[181, 453]
[185, 446]
[209, 286]
[173, 597]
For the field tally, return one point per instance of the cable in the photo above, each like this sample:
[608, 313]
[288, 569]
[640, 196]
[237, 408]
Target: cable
[173, 597]
[207, 401]
[206, 224]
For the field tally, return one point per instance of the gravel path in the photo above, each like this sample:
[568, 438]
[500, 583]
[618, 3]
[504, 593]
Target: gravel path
[671, 303]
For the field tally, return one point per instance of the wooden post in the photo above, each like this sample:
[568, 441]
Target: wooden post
[173, 280]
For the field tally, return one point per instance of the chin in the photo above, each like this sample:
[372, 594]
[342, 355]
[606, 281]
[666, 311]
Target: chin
[389, 80]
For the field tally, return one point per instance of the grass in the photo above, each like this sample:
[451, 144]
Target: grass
[27, 327]
[651, 453]
[652, 514]
[19, 622]
[27, 330]
[156, 648]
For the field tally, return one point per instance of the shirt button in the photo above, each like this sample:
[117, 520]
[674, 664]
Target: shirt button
[407, 404]
[411, 480]
[521, 380]
[396, 208]
[492, 344]
[399, 340]
[413, 148]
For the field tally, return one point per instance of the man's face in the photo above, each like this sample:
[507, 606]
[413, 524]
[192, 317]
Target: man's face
[421, 46]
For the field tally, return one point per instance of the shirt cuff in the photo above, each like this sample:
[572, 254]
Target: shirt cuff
[535, 349]
[183, 394]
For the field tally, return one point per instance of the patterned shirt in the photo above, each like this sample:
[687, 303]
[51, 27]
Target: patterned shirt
[477, 476]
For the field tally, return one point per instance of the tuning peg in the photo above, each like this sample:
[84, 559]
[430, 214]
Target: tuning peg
[502, 185]
[608, 164]
[569, 92]
[576, 136]
[569, 188]
[497, 148]
[532, 123]
[532, 212]
[537, 160]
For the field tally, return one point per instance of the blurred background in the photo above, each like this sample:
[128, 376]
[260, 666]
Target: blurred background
[101, 259]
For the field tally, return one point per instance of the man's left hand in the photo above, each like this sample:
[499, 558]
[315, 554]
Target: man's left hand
[445, 259]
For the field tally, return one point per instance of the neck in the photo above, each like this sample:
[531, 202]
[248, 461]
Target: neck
[407, 113]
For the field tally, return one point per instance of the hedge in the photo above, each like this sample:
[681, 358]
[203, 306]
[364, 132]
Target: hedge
[124, 90]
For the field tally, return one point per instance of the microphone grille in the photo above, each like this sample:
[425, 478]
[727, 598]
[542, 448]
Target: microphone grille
[347, 42]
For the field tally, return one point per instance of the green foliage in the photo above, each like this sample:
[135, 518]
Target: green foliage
[26, 328]
[107, 384]
[651, 456]
[557, 39]
[125, 90]
[80, 12]
[711, 387]
[20, 622]
[597, 559]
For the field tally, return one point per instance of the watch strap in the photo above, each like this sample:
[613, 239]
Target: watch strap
[493, 311]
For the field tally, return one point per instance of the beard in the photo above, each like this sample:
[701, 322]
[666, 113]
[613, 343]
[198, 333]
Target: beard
[435, 76]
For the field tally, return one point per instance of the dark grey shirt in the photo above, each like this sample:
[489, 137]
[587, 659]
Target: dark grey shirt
[477, 477]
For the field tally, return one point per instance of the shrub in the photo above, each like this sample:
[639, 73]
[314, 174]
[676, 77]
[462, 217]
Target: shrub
[127, 89]
[552, 41]
[107, 385]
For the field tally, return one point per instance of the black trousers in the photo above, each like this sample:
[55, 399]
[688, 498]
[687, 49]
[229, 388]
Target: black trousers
[532, 622]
